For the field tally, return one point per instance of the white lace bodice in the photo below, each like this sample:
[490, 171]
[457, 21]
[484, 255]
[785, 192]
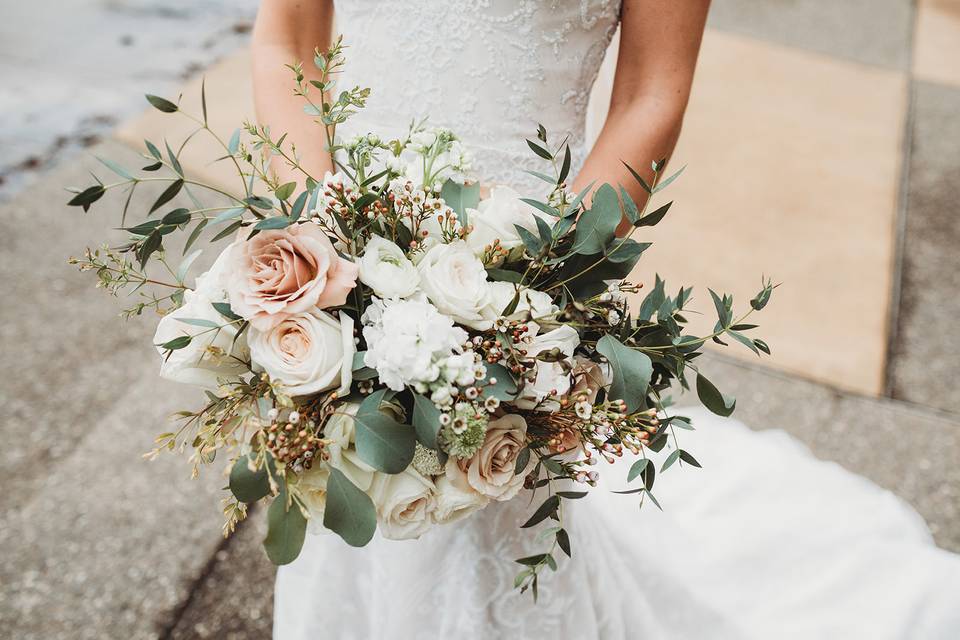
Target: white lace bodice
[491, 70]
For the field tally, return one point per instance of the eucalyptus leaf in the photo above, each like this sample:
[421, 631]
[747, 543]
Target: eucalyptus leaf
[631, 371]
[505, 388]
[712, 399]
[286, 530]
[426, 420]
[382, 442]
[596, 226]
[250, 486]
[349, 512]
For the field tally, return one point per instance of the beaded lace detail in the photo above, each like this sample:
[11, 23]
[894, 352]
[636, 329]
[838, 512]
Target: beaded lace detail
[490, 70]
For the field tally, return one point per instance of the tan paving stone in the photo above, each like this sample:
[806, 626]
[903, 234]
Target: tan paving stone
[793, 161]
[937, 41]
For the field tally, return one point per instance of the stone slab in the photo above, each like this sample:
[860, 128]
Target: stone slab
[924, 366]
[792, 163]
[936, 48]
[875, 32]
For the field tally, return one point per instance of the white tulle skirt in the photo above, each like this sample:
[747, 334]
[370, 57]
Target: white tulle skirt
[764, 542]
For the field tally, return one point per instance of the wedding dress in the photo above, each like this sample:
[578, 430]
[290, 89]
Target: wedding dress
[764, 542]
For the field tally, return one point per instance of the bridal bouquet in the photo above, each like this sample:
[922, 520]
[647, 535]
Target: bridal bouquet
[387, 349]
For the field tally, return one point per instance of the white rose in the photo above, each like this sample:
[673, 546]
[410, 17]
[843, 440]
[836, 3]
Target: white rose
[550, 376]
[211, 354]
[308, 352]
[340, 429]
[405, 503]
[497, 217]
[313, 489]
[456, 283]
[213, 284]
[532, 305]
[456, 499]
[386, 270]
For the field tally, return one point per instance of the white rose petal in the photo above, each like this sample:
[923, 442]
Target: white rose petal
[405, 503]
[455, 281]
[211, 354]
[497, 217]
[456, 500]
[550, 376]
[308, 352]
[385, 269]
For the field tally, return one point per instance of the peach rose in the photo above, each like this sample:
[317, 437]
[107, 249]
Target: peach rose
[282, 272]
[491, 471]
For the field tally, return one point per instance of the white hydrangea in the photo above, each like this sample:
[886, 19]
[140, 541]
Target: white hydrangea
[409, 342]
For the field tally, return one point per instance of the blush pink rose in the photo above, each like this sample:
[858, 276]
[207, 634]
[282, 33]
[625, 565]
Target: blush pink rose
[283, 272]
[491, 471]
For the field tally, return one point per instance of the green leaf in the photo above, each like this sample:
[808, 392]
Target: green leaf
[223, 308]
[382, 442]
[200, 322]
[177, 217]
[596, 226]
[723, 309]
[762, 298]
[638, 178]
[250, 486]
[572, 495]
[626, 249]
[234, 145]
[186, 263]
[168, 194]
[653, 218]
[546, 235]
[689, 459]
[460, 197]
[176, 343]
[763, 346]
[227, 231]
[87, 197]
[530, 241]
[203, 98]
[504, 275]
[541, 206]
[563, 541]
[523, 459]
[712, 399]
[673, 457]
[174, 161]
[152, 243]
[229, 214]
[117, 169]
[505, 389]
[666, 183]
[744, 340]
[144, 228]
[630, 210]
[152, 148]
[194, 235]
[651, 303]
[286, 530]
[298, 205]
[162, 104]
[273, 222]
[565, 167]
[631, 371]
[544, 511]
[349, 512]
[284, 191]
[637, 468]
[540, 151]
[426, 420]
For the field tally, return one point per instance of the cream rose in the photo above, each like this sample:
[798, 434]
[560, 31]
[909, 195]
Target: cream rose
[386, 270]
[313, 489]
[497, 217]
[491, 471]
[456, 283]
[308, 352]
[532, 304]
[456, 499]
[405, 504]
[279, 273]
[211, 354]
[550, 376]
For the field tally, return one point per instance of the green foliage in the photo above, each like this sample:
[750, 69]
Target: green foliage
[286, 530]
[382, 442]
[250, 486]
[631, 372]
[349, 512]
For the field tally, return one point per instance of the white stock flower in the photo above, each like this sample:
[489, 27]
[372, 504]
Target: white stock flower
[386, 270]
[307, 352]
[405, 503]
[455, 281]
[409, 341]
[497, 217]
[550, 376]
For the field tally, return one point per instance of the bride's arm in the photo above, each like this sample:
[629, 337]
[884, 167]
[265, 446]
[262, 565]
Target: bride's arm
[659, 42]
[286, 32]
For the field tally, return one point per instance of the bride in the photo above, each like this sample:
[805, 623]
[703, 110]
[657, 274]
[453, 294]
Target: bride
[764, 542]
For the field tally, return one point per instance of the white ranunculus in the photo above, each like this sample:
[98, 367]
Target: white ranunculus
[307, 352]
[456, 283]
[386, 270]
[497, 216]
[409, 341]
[456, 499]
[550, 376]
[405, 504]
[211, 354]
[532, 305]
